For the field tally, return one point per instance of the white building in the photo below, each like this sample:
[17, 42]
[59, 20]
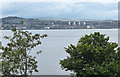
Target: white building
[79, 23]
[84, 23]
[69, 23]
[74, 23]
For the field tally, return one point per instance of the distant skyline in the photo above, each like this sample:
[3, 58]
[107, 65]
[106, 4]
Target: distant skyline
[68, 10]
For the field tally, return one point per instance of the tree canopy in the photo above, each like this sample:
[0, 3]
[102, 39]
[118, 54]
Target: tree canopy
[16, 57]
[93, 55]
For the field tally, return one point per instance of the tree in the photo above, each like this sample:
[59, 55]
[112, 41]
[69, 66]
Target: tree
[16, 57]
[93, 55]
[22, 22]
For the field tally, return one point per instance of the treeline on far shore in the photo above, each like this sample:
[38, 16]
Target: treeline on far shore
[8, 23]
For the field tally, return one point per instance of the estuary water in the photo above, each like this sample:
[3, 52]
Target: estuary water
[53, 46]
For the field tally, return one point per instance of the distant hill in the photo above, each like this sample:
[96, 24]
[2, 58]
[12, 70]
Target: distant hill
[55, 23]
[13, 17]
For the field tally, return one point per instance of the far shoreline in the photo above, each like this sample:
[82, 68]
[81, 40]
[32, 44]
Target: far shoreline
[63, 29]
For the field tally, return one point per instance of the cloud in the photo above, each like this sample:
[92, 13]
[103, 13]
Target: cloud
[74, 10]
[60, 1]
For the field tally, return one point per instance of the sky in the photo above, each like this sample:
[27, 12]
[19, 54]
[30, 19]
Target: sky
[101, 10]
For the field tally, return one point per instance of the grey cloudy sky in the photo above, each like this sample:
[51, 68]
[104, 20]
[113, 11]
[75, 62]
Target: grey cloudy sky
[69, 10]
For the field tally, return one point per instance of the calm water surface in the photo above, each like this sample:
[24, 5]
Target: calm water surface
[53, 46]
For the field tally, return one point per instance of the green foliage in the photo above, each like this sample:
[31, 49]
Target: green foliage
[21, 22]
[16, 57]
[93, 55]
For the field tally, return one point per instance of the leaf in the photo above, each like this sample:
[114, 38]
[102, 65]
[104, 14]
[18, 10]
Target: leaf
[39, 52]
